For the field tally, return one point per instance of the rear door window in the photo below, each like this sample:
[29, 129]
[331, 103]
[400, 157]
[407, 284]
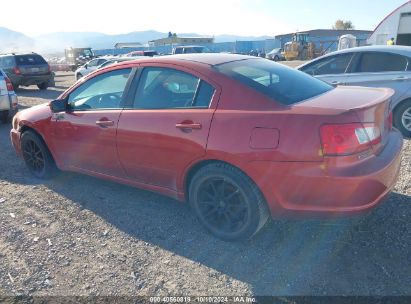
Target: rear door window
[30, 60]
[165, 88]
[376, 62]
[332, 65]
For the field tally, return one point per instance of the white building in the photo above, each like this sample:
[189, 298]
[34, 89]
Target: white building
[396, 25]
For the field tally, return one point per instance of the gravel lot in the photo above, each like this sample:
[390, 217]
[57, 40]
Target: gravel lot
[76, 235]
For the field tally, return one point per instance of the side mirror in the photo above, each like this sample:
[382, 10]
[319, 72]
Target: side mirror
[58, 105]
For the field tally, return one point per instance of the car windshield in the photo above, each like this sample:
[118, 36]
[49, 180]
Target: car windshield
[280, 83]
[87, 53]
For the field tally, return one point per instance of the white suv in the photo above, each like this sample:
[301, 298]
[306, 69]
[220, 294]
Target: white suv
[8, 99]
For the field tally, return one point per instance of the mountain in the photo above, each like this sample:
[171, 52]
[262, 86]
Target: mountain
[11, 41]
[57, 42]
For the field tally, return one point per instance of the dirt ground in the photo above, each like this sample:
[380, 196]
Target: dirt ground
[77, 235]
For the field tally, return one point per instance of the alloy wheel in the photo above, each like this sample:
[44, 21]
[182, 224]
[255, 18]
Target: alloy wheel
[222, 205]
[406, 119]
[34, 157]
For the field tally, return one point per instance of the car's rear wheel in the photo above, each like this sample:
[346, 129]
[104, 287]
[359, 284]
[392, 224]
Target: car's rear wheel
[5, 117]
[37, 156]
[402, 118]
[227, 202]
[43, 86]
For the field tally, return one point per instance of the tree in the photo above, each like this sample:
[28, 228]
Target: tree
[343, 25]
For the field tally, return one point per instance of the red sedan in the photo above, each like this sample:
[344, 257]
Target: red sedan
[240, 138]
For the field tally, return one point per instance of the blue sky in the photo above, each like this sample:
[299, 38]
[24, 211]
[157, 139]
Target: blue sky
[210, 17]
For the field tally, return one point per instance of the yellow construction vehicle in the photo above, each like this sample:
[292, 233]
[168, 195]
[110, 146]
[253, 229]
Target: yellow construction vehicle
[300, 48]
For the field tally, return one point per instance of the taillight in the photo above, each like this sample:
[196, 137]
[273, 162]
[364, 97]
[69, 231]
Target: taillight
[16, 71]
[9, 85]
[347, 139]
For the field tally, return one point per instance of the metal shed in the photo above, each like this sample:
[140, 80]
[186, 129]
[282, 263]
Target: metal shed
[396, 25]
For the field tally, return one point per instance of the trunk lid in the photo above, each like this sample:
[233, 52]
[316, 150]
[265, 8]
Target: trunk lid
[371, 107]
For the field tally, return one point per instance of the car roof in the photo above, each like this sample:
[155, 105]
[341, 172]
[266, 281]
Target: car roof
[210, 59]
[398, 49]
[395, 49]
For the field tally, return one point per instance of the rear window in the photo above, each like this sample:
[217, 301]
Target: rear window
[29, 60]
[283, 84]
[382, 62]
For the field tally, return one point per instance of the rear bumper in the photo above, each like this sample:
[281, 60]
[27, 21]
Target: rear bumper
[8, 102]
[330, 188]
[26, 80]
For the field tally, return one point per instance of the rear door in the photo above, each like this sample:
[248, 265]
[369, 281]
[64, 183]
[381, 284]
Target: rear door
[331, 69]
[166, 127]
[381, 69]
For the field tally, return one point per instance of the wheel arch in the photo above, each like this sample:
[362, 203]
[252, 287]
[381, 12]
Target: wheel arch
[25, 128]
[201, 164]
[397, 106]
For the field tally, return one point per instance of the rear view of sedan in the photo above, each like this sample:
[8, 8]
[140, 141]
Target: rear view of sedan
[240, 138]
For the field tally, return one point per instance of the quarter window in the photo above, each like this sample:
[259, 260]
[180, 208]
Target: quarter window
[163, 88]
[104, 91]
[381, 62]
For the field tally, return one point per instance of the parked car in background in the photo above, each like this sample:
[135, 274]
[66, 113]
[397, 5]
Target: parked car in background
[142, 53]
[190, 49]
[241, 138]
[90, 66]
[27, 69]
[117, 60]
[8, 99]
[371, 66]
[275, 55]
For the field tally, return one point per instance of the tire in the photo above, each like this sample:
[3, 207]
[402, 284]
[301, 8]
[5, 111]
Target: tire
[43, 86]
[276, 58]
[402, 118]
[227, 202]
[5, 117]
[37, 156]
[78, 76]
[51, 82]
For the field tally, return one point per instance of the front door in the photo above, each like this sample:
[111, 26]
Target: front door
[167, 125]
[85, 135]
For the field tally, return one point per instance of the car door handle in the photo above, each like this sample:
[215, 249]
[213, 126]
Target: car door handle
[105, 123]
[187, 125]
[337, 83]
[401, 78]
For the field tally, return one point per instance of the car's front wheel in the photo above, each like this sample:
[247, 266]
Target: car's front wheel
[37, 156]
[227, 202]
[276, 58]
[402, 118]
